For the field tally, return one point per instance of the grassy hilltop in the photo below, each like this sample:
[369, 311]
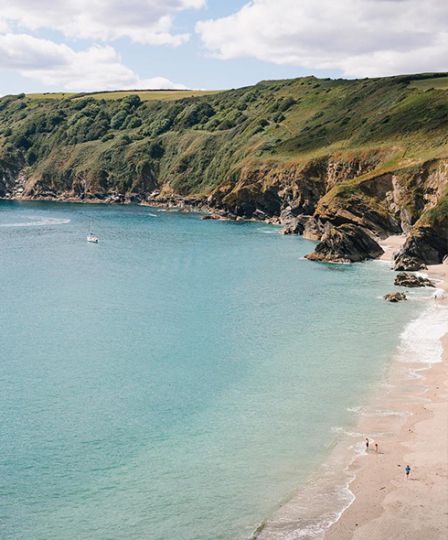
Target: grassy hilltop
[370, 152]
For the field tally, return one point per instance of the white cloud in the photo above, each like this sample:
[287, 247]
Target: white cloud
[143, 21]
[358, 37]
[57, 65]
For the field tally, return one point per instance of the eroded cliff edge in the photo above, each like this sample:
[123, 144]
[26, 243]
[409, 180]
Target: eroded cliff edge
[344, 162]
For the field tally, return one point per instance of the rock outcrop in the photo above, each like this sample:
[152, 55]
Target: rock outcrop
[395, 297]
[346, 243]
[307, 226]
[404, 279]
[425, 245]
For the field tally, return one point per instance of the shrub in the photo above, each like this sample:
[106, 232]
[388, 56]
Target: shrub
[156, 150]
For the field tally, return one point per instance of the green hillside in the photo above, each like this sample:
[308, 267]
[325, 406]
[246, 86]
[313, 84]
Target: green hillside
[370, 152]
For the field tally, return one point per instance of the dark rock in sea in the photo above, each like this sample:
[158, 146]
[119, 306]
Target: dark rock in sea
[395, 297]
[411, 280]
[210, 216]
[347, 243]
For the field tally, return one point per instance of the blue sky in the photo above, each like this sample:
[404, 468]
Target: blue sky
[106, 44]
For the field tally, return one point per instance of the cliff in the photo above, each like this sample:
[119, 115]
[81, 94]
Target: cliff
[318, 154]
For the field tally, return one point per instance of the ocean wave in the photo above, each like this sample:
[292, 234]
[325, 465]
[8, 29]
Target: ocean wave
[38, 222]
[420, 341]
[365, 411]
[291, 524]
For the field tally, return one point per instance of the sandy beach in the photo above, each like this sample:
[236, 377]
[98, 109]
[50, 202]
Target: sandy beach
[409, 422]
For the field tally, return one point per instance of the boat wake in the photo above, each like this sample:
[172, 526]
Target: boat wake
[37, 222]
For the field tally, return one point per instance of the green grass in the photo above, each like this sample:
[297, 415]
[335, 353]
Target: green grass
[154, 95]
[144, 95]
[439, 83]
[51, 95]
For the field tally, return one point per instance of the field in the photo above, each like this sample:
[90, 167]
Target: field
[440, 83]
[144, 95]
[51, 95]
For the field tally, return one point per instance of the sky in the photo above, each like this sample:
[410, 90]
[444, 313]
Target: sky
[88, 45]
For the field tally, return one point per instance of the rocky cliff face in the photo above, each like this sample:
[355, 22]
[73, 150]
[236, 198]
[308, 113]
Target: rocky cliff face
[345, 162]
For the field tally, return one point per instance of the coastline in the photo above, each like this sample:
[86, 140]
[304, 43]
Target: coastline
[415, 432]
[359, 494]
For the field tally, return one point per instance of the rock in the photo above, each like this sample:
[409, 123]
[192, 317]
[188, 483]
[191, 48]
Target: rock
[210, 216]
[395, 297]
[346, 243]
[424, 246]
[293, 226]
[312, 229]
[411, 280]
[304, 225]
[403, 261]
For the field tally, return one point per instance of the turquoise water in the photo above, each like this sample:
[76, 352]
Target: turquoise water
[177, 380]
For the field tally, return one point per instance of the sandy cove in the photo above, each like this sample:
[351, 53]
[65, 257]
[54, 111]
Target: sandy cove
[388, 506]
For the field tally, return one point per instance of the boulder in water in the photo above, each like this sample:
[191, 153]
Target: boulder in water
[404, 279]
[346, 243]
[395, 297]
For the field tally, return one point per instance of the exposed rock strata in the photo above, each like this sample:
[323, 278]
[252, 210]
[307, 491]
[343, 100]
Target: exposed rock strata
[425, 245]
[346, 243]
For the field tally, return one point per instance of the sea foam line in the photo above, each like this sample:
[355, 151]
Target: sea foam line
[420, 341]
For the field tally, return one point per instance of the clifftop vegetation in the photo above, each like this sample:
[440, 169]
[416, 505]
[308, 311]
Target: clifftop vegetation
[318, 146]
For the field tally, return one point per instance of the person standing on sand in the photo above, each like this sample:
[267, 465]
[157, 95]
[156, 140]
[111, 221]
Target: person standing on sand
[407, 471]
[367, 444]
[376, 447]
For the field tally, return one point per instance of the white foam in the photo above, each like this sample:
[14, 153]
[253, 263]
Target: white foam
[38, 222]
[383, 261]
[414, 373]
[364, 411]
[420, 341]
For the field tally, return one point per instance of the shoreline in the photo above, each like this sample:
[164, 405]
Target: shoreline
[385, 504]
[363, 495]
[175, 203]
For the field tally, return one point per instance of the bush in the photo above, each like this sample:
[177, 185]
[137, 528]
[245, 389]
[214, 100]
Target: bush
[131, 102]
[133, 122]
[117, 121]
[156, 150]
[196, 114]
[226, 124]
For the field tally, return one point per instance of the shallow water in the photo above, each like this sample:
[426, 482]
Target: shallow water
[178, 380]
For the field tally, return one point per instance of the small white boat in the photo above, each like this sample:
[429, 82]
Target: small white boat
[92, 238]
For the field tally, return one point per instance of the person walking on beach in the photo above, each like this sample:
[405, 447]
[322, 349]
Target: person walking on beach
[376, 447]
[367, 444]
[407, 471]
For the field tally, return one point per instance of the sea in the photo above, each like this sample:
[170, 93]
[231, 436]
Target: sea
[181, 379]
